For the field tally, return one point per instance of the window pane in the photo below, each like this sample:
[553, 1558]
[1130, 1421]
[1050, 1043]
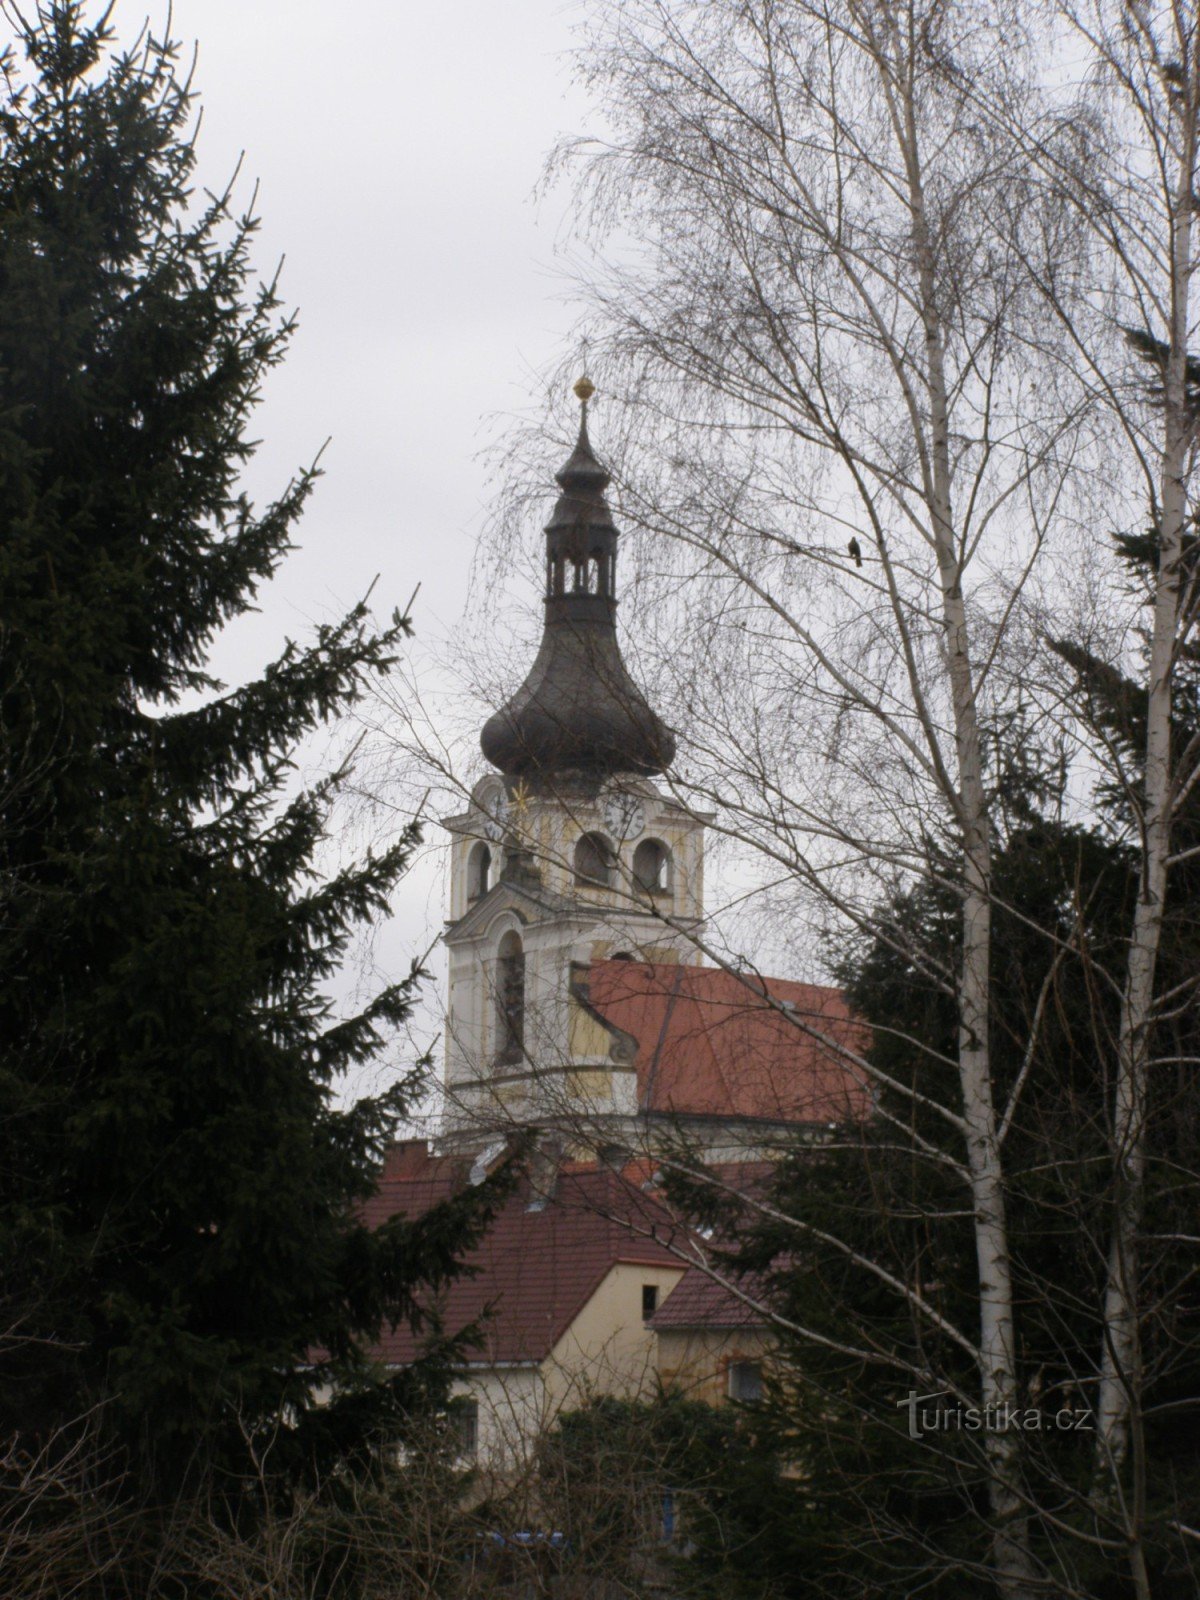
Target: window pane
[745, 1382]
[464, 1417]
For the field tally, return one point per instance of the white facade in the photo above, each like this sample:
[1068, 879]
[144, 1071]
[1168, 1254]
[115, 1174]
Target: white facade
[608, 1349]
[541, 885]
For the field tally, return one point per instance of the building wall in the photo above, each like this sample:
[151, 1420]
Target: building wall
[512, 1412]
[590, 923]
[608, 1349]
[601, 1355]
[550, 828]
[696, 1361]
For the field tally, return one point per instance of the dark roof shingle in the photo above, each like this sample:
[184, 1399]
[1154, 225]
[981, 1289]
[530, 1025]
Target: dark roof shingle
[541, 1261]
[698, 1301]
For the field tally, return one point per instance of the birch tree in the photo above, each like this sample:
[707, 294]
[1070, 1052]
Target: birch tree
[1138, 198]
[829, 321]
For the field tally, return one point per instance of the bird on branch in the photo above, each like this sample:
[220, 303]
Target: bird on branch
[856, 551]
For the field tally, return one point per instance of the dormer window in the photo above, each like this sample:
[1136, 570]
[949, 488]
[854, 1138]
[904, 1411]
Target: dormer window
[479, 868]
[594, 860]
[652, 867]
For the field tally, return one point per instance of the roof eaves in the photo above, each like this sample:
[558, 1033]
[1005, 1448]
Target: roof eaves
[499, 895]
[708, 1325]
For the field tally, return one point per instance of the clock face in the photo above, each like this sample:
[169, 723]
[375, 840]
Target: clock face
[624, 816]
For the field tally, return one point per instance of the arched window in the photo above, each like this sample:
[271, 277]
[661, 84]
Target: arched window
[510, 1000]
[652, 867]
[593, 859]
[479, 868]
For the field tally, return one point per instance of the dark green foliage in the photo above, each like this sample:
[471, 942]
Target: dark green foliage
[678, 1495]
[890, 1516]
[178, 1182]
[1156, 353]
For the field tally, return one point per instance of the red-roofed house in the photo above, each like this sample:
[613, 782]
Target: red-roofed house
[562, 1290]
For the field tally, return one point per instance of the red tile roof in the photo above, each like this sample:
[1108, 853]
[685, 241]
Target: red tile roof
[541, 1261]
[708, 1044]
[697, 1301]
[713, 1044]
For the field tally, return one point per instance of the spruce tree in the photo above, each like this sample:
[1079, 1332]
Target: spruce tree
[179, 1184]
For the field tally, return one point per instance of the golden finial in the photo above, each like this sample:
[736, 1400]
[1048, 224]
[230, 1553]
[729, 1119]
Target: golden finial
[519, 798]
[585, 389]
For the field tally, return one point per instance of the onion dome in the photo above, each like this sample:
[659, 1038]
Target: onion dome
[579, 714]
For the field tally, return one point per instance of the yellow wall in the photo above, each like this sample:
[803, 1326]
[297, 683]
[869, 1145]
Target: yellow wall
[608, 1349]
[588, 1039]
[697, 1360]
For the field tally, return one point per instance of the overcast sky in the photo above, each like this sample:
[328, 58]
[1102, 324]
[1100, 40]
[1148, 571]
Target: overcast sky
[397, 145]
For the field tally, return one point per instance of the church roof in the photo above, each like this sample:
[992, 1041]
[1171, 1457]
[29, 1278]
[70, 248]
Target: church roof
[708, 1045]
[713, 1044]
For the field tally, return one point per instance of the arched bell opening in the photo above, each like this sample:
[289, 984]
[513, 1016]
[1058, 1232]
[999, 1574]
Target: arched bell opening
[592, 573]
[479, 871]
[595, 860]
[652, 867]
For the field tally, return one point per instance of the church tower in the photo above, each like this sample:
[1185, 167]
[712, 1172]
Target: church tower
[568, 855]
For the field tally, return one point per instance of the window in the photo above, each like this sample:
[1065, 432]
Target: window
[479, 868]
[510, 1000]
[668, 1516]
[745, 1382]
[652, 867]
[649, 1300]
[464, 1424]
[593, 859]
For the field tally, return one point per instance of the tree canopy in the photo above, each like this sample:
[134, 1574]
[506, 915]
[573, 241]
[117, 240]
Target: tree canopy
[180, 1181]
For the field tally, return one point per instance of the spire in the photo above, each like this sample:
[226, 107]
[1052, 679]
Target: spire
[581, 473]
[579, 714]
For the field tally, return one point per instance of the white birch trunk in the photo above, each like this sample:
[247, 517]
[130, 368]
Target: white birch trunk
[1120, 1374]
[997, 1344]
